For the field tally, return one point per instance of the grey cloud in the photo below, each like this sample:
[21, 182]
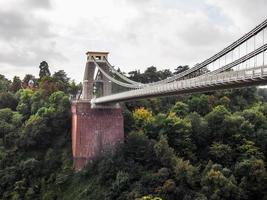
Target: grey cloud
[175, 36]
[164, 33]
[29, 54]
[14, 25]
[26, 38]
[140, 4]
[138, 1]
[243, 13]
[43, 4]
[204, 34]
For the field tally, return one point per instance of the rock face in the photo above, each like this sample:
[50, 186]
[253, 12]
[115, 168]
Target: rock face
[94, 131]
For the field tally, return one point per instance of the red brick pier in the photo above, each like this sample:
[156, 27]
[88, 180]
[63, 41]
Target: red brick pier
[94, 131]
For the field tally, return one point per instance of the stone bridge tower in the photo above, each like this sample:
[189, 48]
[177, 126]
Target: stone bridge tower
[95, 129]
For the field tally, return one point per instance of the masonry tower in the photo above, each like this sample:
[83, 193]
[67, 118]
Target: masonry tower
[95, 129]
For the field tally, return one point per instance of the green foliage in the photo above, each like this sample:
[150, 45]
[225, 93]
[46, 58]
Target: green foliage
[140, 148]
[24, 105]
[221, 153]
[4, 84]
[180, 109]
[16, 84]
[185, 173]
[241, 98]
[199, 104]
[35, 133]
[51, 85]
[9, 123]
[8, 100]
[217, 185]
[200, 134]
[151, 74]
[255, 117]
[34, 143]
[150, 198]
[164, 153]
[179, 133]
[58, 82]
[27, 78]
[252, 176]
[208, 146]
[142, 117]
[216, 120]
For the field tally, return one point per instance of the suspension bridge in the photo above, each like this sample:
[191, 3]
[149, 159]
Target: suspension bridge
[97, 121]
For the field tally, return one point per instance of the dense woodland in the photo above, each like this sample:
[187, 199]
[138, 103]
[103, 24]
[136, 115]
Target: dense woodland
[203, 146]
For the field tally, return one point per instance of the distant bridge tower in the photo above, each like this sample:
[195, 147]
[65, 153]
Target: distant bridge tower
[99, 129]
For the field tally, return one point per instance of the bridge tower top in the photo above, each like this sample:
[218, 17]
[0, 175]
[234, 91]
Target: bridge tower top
[99, 56]
[96, 59]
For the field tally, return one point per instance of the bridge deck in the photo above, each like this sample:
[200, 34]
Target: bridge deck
[230, 79]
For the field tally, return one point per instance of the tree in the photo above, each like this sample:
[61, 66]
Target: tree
[175, 148]
[263, 93]
[44, 69]
[215, 121]
[165, 74]
[248, 150]
[142, 117]
[120, 184]
[185, 173]
[180, 109]
[9, 123]
[180, 69]
[179, 133]
[252, 175]
[225, 101]
[75, 89]
[8, 100]
[38, 100]
[36, 133]
[60, 101]
[24, 105]
[165, 154]
[51, 85]
[221, 153]
[150, 197]
[254, 116]
[216, 184]
[4, 84]
[199, 104]
[140, 149]
[200, 134]
[27, 78]
[61, 76]
[151, 74]
[136, 76]
[241, 98]
[16, 84]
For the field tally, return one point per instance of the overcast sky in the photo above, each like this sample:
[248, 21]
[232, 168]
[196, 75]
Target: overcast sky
[137, 33]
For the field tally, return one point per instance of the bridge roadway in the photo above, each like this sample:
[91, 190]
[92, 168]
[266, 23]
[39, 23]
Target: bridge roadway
[225, 80]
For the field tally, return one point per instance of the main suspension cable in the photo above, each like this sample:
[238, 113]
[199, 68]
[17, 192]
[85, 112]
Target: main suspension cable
[121, 75]
[113, 79]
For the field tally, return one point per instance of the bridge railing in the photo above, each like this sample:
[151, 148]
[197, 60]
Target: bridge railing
[209, 83]
[225, 77]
